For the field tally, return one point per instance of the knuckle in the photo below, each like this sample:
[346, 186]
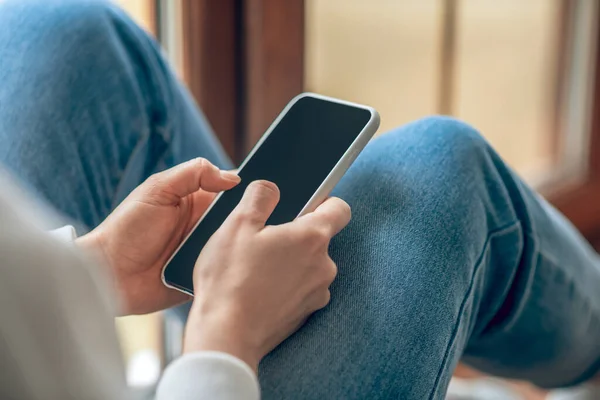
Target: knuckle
[326, 272]
[318, 236]
[346, 210]
[201, 163]
[245, 216]
[324, 299]
[330, 271]
[152, 183]
[343, 209]
[324, 234]
[153, 179]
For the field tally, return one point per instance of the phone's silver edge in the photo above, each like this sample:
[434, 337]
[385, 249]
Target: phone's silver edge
[345, 161]
[324, 189]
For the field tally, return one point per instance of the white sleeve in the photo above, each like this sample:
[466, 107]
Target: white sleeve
[57, 334]
[202, 375]
[208, 375]
[65, 234]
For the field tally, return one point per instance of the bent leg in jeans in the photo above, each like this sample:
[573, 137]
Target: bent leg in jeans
[448, 255]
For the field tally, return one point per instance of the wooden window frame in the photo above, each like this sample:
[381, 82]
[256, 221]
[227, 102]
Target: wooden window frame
[243, 61]
[210, 47]
[246, 61]
[580, 201]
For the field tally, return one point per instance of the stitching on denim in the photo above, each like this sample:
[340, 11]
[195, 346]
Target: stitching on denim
[551, 260]
[491, 235]
[595, 315]
[161, 158]
[143, 139]
[164, 130]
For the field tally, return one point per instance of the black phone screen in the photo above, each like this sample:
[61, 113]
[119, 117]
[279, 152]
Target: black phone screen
[297, 156]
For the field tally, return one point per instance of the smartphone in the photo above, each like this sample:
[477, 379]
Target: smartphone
[305, 152]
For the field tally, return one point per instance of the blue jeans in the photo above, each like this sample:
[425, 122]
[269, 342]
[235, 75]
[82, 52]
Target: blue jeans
[449, 254]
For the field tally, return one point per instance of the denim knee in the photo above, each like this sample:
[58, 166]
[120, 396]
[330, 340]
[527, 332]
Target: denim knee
[66, 43]
[433, 154]
[443, 142]
[72, 57]
[76, 82]
[435, 171]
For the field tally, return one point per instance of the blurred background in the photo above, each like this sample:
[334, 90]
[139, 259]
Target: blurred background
[522, 72]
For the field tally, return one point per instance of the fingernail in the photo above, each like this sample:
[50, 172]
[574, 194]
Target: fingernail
[230, 176]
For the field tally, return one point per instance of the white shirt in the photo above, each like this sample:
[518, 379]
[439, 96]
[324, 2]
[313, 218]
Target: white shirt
[57, 335]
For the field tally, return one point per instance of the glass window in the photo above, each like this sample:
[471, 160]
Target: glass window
[506, 80]
[502, 66]
[142, 11]
[382, 52]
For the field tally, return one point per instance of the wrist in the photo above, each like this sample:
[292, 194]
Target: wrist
[220, 333]
[92, 243]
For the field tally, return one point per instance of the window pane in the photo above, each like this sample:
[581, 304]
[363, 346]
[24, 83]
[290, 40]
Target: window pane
[506, 81]
[380, 52]
[142, 11]
[506, 76]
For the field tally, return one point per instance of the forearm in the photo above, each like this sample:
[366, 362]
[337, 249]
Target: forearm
[209, 370]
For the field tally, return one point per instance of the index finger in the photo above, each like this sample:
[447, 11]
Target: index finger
[333, 214]
[185, 179]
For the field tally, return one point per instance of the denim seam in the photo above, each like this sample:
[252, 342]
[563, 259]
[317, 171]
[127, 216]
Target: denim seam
[595, 368]
[491, 235]
[553, 262]
[162, 130]
[144, 139]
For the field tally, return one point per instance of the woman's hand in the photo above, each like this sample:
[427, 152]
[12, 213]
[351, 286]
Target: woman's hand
[256, 285]
[138, 238]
